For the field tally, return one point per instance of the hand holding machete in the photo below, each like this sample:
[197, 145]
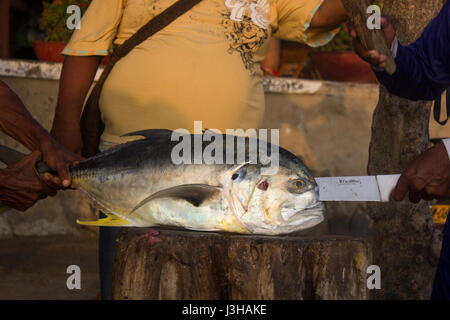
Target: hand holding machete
[20, 184]
[427, 177]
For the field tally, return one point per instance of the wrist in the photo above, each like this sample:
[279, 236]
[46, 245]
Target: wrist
[46, 144]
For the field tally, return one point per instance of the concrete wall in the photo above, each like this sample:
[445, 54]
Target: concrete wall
[52, 216]
[327, 124]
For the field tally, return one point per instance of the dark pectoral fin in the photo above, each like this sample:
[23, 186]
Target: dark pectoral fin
[193, 193]
[150, 133]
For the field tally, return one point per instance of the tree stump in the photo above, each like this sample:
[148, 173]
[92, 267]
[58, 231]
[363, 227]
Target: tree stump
[201, 265]
[405, 237]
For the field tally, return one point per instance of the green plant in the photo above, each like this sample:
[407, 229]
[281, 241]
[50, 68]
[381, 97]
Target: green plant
[343, 41]
[54, 18]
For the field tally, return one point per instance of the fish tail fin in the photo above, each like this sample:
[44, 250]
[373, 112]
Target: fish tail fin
[111, 220]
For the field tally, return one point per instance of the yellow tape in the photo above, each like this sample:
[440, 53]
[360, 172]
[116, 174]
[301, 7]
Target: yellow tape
[440, 213]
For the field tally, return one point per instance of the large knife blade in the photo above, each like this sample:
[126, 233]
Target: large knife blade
[362, 188]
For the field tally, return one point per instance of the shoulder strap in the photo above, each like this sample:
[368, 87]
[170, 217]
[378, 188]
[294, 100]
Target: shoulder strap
[437, 108]
[156, 24]
[90, 123]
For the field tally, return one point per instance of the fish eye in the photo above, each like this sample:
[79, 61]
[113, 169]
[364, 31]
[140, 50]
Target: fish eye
[240, 174]
[300, 184]
[297, 186]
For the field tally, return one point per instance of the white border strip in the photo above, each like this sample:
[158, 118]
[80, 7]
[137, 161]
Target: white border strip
[33, 69]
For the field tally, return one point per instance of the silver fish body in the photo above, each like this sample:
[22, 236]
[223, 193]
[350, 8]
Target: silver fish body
[139, 184]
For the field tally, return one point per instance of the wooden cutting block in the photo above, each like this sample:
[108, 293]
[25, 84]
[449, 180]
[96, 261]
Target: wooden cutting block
[201, 265]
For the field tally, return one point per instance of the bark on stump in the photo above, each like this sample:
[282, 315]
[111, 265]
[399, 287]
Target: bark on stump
[199, 265]
[405, 237]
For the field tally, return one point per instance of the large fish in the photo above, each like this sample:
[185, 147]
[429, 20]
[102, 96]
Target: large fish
[138, 184]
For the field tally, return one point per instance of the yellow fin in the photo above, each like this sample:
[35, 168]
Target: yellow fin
[110, 221]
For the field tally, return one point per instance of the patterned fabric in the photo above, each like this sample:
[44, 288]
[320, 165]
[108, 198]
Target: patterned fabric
[204, 66]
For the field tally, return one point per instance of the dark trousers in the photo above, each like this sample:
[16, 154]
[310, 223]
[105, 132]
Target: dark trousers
[106, 254]
[441, 287]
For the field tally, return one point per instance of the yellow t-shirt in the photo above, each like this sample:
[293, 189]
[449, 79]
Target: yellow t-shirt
[203, 66]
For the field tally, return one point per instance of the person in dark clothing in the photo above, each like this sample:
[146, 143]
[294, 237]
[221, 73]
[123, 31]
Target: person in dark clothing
[423, 73]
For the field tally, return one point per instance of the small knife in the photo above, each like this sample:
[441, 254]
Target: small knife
[362, 188]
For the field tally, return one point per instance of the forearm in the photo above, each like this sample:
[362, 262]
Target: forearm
[331, 14]
[77, 76]
[423, 67]
[17, 122]
[412, 79]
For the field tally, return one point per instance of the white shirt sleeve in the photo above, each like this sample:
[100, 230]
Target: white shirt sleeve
[447, 145]
[394, 47]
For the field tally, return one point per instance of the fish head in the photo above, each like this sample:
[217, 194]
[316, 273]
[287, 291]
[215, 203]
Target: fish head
[280, 203]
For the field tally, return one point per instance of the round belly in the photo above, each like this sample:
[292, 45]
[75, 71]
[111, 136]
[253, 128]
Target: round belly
[161, 86]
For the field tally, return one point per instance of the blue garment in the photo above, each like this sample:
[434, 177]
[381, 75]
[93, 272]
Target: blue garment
[441, 287]
[423, 67]
[423, 73]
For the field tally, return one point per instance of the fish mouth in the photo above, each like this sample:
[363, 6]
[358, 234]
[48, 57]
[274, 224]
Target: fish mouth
[316, 208]
[288, 212]
[308, 217]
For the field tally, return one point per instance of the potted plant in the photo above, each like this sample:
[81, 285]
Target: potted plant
[337, 61]
[53, 24]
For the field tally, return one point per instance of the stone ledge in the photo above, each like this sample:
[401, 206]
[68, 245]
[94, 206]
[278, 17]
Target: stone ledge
[33, 69]
[51, 71]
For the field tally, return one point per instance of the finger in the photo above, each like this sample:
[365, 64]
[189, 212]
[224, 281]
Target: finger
[384, 22]
[436, 191]
[441, 191]
[375, 55]
[417, 184]
[56, 181]
[414, 196]
[47, 191]
[427, 196]
[375, 58]
[19, 207]
[51, 181]
[359, 49]
[401, 189]
[64, 175]
[48, 187]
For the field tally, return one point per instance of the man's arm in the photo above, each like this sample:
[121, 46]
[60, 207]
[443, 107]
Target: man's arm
[16, 121]
[423, 68]
[77, 76]
[331, 14]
